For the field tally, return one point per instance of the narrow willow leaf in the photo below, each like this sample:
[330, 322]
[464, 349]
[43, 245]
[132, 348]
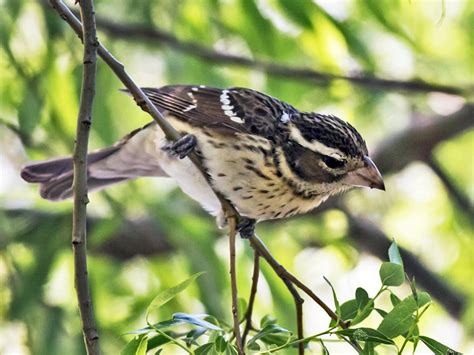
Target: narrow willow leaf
[362, 297]
[391, 274]
[324, 349]
[270, 329]
[394, 254]
[366, 334]
[401, 317]
[136, 346]
[195, 319]
[267, 320]
[220, 344]
[167, 295]
[204, 349]
[394, 299]
[436, 347]
[336, 301]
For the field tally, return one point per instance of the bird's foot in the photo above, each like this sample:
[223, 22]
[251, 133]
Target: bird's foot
[182, 147]
[246, 227]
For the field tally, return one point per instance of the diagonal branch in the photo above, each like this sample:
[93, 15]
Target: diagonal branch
[153, 36]
[79, 221]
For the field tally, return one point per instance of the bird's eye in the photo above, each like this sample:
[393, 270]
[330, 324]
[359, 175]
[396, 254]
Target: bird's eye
[333, 163]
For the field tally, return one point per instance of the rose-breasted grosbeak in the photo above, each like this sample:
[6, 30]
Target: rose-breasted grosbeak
[266, 157]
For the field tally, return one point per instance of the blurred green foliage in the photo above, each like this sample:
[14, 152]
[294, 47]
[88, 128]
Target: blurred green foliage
[40, 73]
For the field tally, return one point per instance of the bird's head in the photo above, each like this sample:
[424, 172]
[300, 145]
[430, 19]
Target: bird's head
[328, 152]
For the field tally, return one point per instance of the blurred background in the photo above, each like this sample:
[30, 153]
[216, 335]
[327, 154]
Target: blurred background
[400, 71]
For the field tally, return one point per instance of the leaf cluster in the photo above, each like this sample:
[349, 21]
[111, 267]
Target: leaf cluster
[203, 334]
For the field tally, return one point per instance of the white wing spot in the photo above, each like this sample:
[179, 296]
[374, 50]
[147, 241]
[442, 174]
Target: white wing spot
[237, 119]
[189, 108]
[227, 107]
[195, 88]
[202, 86]
[285, 118]
[229, 113]
[190, 94]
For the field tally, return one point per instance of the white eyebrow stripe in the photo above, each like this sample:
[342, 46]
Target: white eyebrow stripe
[315, 146]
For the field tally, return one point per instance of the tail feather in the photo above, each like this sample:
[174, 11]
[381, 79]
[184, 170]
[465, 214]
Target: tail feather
[125, 160]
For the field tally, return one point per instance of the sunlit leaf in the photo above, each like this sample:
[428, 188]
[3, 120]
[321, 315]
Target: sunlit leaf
[392, 274]
[195, 319]
[400, 319]
[394, 254]
[436, 347]
[136, 346]
[167, 295]
[366, 334]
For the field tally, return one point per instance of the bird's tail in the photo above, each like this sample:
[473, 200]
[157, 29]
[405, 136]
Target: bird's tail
[129, 158]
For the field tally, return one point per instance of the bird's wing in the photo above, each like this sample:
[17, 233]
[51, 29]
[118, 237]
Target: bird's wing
[226, 110]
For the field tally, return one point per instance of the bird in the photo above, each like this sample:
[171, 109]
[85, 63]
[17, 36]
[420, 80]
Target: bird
[267, 158]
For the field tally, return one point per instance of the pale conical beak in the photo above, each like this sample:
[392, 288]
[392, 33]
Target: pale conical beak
[367, 176]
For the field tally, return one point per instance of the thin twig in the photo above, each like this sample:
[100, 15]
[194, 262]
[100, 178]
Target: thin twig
[284, 274]
[233, 284]
[79, 222]
[253, 292]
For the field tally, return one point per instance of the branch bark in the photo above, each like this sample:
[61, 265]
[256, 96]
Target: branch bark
[79, 221]
[417, 141]
[153, 36]
[369, 237]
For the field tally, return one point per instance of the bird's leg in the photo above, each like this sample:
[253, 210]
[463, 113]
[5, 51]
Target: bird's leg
[246, 227]
[182, 147]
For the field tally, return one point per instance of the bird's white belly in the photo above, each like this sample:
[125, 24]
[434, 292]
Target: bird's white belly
[239, 169]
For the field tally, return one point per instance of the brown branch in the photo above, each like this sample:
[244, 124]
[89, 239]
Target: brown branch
[417, 141]
[371, 238]
[253, 293]
[459, 198]
[79, 226]
[154, 36]
[232, 221]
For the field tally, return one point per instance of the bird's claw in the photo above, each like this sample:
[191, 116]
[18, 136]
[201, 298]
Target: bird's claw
[246, 227]
[182, 147]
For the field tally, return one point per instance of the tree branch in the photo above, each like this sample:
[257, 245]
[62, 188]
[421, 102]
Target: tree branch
[253, 293]
[459, 198]
[417, 141]
[79, 226]
[233, 284]
[154, 36]
[369, 237]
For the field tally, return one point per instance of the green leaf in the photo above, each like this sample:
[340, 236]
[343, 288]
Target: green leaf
[369, 348]
[324, 349]
[362, 297]
[394, 254]
[270, 329]
[204, 349]
[167, 295]
[267, 320]
[136, 346]
[381, 312]
[298, 12]
[336, 301]
[436, 347]
[394, 299]
[391, 274]
[158, 340]
[401, 317]
[195, 319]
[366, 334]
[220, 344]
[160, 325]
